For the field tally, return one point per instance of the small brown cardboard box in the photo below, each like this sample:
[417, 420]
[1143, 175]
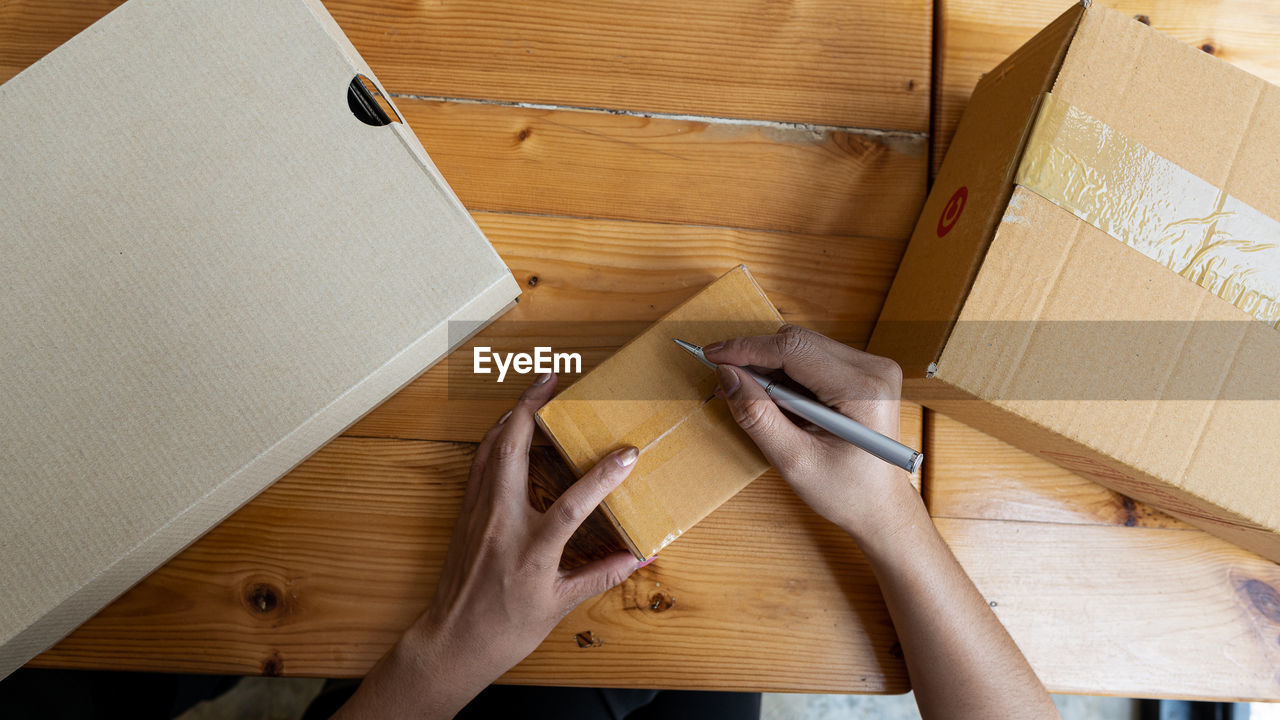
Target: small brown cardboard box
[657, 397]
[212, 265]
[1095, 275]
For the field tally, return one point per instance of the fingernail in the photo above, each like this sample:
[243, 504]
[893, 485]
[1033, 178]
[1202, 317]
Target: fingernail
[542, 379]
[713, 347]
[728, 379]
[646, 562]
[628, 457]
[504, 417]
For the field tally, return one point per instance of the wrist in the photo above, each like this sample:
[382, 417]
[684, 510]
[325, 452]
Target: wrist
[898, 523]
[446, 675]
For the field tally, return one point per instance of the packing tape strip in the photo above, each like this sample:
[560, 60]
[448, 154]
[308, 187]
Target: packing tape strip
[1167, 213]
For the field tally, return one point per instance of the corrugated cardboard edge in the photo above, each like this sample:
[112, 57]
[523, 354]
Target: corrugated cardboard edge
[622, 531]
[255, 476]
[939, 266]
[1073, 453]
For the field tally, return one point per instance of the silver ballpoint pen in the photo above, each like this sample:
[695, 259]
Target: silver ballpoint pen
[846, 428]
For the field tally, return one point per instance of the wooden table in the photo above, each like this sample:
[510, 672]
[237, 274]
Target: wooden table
[619, 155]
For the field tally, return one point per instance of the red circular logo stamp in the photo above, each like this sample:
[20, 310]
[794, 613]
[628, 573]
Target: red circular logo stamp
[951, 213]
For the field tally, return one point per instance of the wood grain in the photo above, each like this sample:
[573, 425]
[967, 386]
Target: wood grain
[976, 35]
[850, 64]
[595, 164]
[590, 285]
[1129, 611]
[320, 574]
[1103, 595]
[973, 475]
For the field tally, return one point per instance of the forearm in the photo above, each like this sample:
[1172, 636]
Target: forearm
[962, 662]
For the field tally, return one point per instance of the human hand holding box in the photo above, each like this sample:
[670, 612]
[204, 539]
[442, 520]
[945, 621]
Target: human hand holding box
[693, 457]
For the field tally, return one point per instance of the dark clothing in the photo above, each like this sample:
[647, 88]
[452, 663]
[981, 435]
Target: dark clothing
[91, 694]
[561, 703]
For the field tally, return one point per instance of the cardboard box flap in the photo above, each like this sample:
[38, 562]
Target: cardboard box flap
[968, 199]
[1203, 114]
[212, 267]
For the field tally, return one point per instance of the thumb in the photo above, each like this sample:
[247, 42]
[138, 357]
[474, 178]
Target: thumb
[776, 436]
[598, 576]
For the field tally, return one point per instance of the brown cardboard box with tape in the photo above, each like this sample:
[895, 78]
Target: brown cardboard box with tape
[655, 396]
[1096, 275]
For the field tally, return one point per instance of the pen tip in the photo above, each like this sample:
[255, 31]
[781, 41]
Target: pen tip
[695, 351]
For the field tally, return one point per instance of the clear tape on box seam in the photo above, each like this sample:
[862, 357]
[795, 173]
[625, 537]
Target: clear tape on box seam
[1155, 206]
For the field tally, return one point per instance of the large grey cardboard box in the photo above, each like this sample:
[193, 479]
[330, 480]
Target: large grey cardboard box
[1095, 277]
[212, 265]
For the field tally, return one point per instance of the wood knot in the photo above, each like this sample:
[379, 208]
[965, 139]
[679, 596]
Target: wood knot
[273, 666]
[1144, 19]
[1264, 598]
[261, 598]
[268, 598]
[587, 639]
[661, 602]
[1130, 509]
[523, 135]
[533, 281]
[1209, 48]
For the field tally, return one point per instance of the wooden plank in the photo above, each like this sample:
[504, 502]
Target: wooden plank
[1104, 595]
[30, 30]
[973, 475]
[595, 164]
[850, 64]
[1129, 611]
[320, 574]
[976, 35]
[592, 285]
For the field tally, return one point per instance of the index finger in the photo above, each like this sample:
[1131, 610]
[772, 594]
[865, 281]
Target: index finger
[832, 370]
[580, 499]
[509, 459]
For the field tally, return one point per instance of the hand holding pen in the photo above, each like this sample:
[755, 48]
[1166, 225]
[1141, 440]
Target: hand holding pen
[842, 426]
[841, 481]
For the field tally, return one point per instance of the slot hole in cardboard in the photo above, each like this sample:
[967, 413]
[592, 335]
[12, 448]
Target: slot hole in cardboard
[368, 104]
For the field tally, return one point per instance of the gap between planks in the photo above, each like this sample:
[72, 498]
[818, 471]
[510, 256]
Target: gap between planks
[813, 129]
[479, 211]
